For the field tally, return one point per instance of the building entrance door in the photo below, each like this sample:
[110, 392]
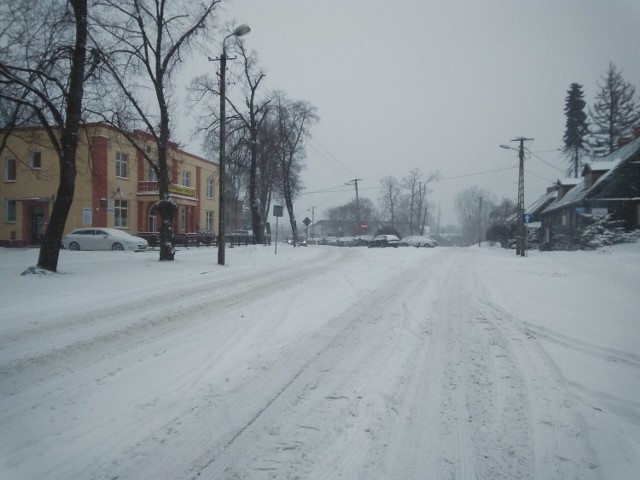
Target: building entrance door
[37, 225]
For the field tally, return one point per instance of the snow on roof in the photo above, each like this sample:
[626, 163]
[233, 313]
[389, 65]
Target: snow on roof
[541, 202]
[620, 158]
[602, 165]
[568, 181]
[613, 162]
[574, 195]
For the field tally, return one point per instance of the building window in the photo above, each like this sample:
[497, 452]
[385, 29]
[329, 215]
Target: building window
[209, 221]
[210, 188]
[10, 170]
[183, 219]
[186, 178]
[152, 176]
[121, 210]
[121, 165]
[35, 160]
[153, 224]
[10, 215]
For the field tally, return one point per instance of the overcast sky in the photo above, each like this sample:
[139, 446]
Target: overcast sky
[436, 85]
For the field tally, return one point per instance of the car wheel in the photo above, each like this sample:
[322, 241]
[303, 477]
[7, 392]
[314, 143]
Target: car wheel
[117, 246]
[74, 246]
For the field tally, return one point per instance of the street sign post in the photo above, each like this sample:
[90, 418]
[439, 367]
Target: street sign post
[277, 212]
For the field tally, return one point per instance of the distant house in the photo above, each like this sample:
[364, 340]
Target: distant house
[608, 187]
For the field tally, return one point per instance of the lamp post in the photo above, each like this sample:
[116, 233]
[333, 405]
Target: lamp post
[238, 32]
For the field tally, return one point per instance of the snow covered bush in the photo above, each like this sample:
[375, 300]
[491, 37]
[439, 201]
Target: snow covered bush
[603, 231]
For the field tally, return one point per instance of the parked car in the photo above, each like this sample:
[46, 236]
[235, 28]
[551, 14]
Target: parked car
[345, 241]
[362, 240]
[418, 241]
[383, 241]
[103, 239]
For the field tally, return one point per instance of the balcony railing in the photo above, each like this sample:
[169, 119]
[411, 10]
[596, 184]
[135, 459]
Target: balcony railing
[152, 187]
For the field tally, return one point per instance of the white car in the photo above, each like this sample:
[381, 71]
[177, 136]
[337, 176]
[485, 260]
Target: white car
[103, 239]
[418, 241]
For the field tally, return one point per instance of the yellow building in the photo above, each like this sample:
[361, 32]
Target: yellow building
[115, 187]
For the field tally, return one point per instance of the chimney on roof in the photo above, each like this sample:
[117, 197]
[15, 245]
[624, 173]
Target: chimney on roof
[622, 141]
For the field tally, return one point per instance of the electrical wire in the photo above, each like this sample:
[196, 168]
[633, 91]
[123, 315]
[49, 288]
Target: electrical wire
[544, 161]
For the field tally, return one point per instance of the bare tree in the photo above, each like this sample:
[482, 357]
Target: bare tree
[346, 219]
[390, 198]
[412, 184]
[268, 173]
[422, 204]
[294, 118]
[416, 185]
[249, 117]
[148, 41]
[42, 74]
[252, 118]
[467, 207]
[616, 112]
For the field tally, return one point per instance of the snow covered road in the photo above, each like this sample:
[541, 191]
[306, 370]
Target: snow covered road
[318, 363]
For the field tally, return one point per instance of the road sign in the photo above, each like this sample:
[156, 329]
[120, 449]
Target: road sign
[306, 221]
[526, 218]
[277, 210]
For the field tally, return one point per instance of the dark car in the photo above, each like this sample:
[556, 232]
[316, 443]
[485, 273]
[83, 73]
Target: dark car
[383, 241]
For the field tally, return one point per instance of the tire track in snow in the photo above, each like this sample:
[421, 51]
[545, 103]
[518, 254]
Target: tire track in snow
[138, 323]
[558, 433]
[608, 354]
[326, 385]
[464, 413]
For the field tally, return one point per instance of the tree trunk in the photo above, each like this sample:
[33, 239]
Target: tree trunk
[257, 222]
[50, 248]
[166, 207]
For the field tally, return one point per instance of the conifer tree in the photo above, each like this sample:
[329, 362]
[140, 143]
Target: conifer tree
[576, 128]
[615, 112]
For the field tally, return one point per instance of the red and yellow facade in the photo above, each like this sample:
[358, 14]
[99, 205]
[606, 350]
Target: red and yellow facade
[115, 186]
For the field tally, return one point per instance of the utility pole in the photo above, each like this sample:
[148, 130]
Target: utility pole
[355, 182]
[479, 221]
[521, 247]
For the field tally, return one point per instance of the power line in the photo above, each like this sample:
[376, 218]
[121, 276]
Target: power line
[540, 177]
[544, 161]
[480, 173]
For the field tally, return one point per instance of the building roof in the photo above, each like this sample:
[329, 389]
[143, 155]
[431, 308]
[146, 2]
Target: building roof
[575, 195]
[541, 202]
[626, 165]
[611, 165]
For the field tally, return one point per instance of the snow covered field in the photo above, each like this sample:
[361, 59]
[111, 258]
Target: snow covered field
[322, 363]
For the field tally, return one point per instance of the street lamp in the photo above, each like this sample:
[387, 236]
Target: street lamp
[238, 32]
